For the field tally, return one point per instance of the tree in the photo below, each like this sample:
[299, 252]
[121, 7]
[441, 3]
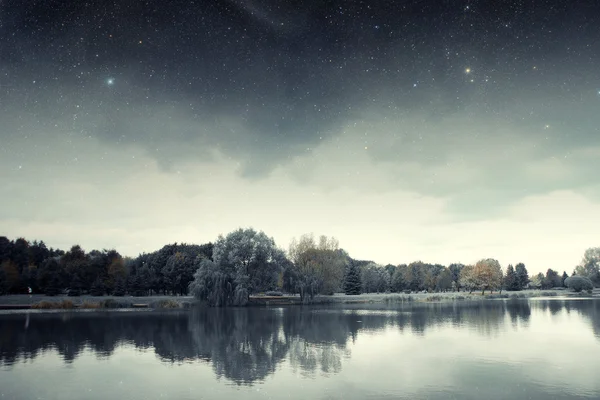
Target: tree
[50, 277]
[445, 280]
[590, 265]
[120, 287]
[467, 278]
[245, 262]
[11, 276]
[488, 274]
[98, 288]
[456, 268]
[522, 275]
[397, 283]
[511, 280]
[352, 279]
[374, 279]
[317, 268]
[537, 281]
[552, 279]
[578, 283]
[564, 277]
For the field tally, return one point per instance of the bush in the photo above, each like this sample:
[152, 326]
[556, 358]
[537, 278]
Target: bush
[53, 305]
[579, 283]
[273, 293]
[165, 303]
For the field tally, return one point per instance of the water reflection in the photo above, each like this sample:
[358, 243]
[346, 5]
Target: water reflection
[247, 345]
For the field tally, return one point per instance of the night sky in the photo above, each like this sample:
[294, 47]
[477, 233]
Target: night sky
[445, 131]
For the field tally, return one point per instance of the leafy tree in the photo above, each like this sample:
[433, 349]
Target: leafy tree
[352, 279]
[3, 282]
[511, 280]
[552, 279]
[397, 283]
[445, 280]
[522, 275]
[11, 276]
[318, 268]
[590, 265]
[374, 279]
[488, 274]
[537, 281]
[50, 277]
[245, 262]
[579, 283]
[456, 268]
[467, 278]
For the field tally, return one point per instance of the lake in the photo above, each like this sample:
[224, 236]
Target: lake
[496, 349]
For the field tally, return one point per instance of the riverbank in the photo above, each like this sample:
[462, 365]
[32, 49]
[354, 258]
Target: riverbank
[42, 302]
[24, 302]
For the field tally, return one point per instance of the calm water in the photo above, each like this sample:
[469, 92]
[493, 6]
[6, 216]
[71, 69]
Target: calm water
[536, 349]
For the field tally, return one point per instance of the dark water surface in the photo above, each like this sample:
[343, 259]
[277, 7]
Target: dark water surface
[514, 349]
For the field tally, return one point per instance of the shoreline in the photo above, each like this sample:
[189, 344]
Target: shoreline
[104, 303]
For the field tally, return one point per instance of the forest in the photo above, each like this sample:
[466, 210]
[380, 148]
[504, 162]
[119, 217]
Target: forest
[246, 262]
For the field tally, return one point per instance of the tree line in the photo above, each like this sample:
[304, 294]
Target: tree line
[246, 262]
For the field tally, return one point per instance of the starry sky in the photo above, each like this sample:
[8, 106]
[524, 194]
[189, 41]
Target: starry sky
[442, 131]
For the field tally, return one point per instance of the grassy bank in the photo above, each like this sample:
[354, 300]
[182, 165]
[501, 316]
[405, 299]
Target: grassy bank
[419, 297]
[183, 302]
[42, 302]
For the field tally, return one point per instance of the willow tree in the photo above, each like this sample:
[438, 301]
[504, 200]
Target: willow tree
[244, 262]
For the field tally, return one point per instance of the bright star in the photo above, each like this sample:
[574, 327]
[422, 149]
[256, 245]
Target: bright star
[110, 81]
[468, 70]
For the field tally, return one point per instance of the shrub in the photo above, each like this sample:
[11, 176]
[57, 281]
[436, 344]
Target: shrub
[273, 293]
[579, 283]
[87, 304]
[112, 303]
[165, 303]
[53, 305]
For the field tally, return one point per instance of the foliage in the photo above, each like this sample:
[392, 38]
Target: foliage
[316, 268]
[552, 279]
[590, 265]
[522, 276]
[536, 281]
[578, 283]
[511, 280]
[467, 278]
[352, 279]
[98, 288]
[245, 262]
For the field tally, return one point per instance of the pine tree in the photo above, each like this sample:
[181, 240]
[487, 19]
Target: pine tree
[97, 288]
[120, 287]
[511, 281]
[352, 281]
[522, 275]
[564, 276]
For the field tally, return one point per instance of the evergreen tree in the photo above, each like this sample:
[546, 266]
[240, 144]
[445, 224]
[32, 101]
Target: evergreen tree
[564, 276]
[522, 275]
[119, 289]
[511, 281]
[97, 288]
[352, 281]
[3, 282]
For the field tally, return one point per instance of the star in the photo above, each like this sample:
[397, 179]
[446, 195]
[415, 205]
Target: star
[110, 81]
[467, 70]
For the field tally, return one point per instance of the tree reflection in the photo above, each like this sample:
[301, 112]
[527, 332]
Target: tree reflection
[246, 345]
